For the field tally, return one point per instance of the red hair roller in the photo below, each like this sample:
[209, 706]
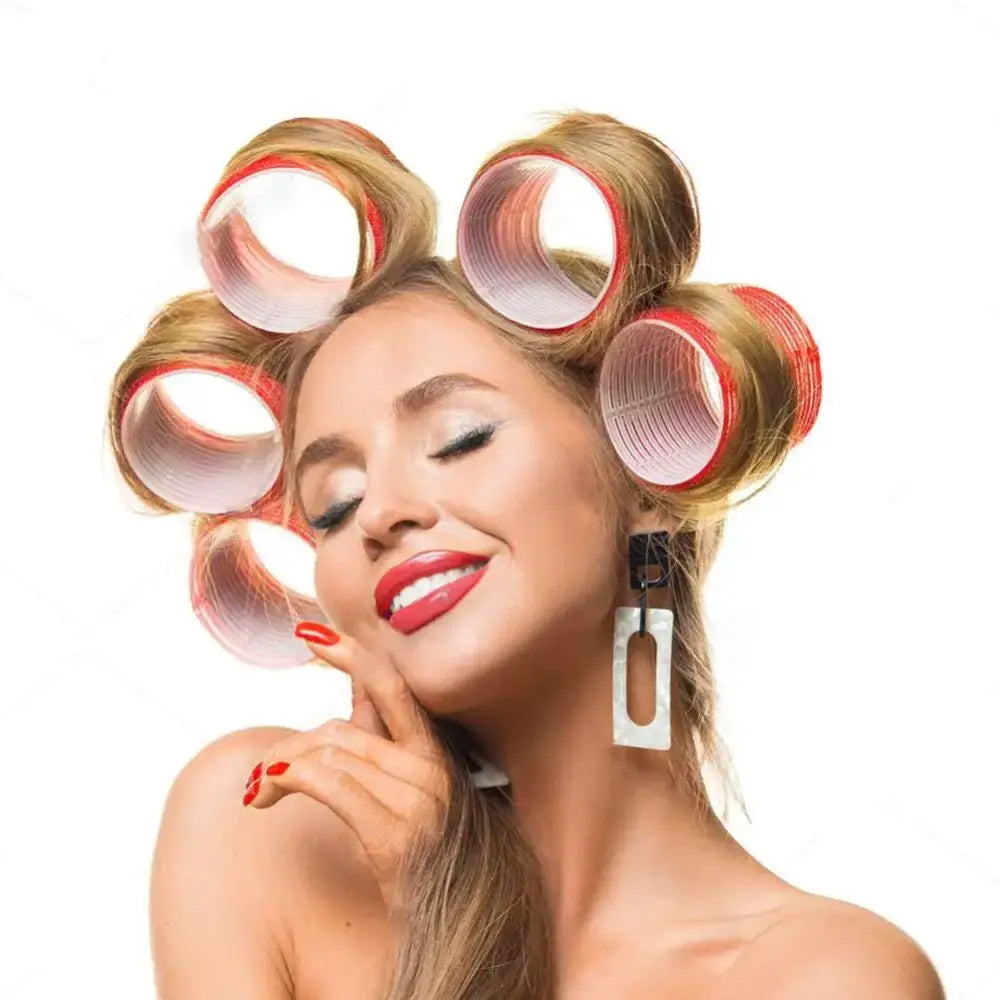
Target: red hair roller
[244, 606]
[503, 256]
[186, 464]
[253, 284]
[668, 398]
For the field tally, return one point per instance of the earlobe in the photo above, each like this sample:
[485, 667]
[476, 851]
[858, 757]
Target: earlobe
[646, 516]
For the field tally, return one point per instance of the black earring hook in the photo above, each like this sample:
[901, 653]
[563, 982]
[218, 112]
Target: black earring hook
[648, 549]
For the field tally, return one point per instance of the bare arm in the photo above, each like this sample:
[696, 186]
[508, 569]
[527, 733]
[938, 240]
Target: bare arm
[214, 928]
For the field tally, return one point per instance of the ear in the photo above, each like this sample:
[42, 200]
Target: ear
[646, 516]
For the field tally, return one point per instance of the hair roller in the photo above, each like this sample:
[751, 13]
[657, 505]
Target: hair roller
[797, 342]
[683, 390]
[169, 459]
[395, 213]
[634, 176]
[667, 398]
[238, 600]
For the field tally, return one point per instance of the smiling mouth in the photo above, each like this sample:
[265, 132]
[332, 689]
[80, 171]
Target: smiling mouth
[437, 601]
[430, 584]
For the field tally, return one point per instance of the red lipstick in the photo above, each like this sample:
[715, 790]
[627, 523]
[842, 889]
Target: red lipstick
[438, 600]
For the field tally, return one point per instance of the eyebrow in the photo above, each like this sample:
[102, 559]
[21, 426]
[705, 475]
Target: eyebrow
[406, 404]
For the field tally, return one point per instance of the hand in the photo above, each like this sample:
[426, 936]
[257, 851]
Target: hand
[384, 771]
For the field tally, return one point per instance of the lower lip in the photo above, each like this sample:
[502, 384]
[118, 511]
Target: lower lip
[436, 603]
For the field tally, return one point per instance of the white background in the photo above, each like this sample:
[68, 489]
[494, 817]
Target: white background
[844, 155]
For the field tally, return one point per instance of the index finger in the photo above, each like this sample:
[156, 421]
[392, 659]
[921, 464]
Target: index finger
[403, 716]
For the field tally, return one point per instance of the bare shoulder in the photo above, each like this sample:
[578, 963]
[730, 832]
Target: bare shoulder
[211, 932]
[298, 840]
[831, 948]
[316, 893]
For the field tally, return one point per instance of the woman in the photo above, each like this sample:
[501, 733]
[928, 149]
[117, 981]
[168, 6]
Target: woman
[423, 433]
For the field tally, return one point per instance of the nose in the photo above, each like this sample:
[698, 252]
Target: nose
[394, 501]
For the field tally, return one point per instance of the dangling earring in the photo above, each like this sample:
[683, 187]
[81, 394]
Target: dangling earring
[486, 774]
[644, 550]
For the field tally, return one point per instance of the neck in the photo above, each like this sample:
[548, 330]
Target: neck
[621, 840]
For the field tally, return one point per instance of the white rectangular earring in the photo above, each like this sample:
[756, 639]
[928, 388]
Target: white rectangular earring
[644, 549]
[655, 735]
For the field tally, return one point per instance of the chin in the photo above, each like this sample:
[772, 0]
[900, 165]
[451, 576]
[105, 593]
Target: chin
[449, 677]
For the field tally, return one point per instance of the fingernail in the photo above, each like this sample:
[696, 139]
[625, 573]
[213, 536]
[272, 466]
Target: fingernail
[255, 774]
[314, 632]
[251, 793]
[279, 767]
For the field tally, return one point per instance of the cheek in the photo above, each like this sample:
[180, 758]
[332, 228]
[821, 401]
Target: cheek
[336, 576]
[547, 503]
[553, 519]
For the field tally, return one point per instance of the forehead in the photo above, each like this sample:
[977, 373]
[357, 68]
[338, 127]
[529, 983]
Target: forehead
[375, 354]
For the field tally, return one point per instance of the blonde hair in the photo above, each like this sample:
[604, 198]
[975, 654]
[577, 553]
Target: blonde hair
[480, 925]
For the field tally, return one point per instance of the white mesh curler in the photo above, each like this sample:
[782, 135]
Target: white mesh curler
[504, 257]
[243, 605]
[667, 397]
[188, 465]
[254, 284]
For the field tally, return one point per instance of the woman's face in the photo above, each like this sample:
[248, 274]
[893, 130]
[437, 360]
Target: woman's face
[523, 495]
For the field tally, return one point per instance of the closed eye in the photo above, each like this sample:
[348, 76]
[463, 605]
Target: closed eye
[471, 440]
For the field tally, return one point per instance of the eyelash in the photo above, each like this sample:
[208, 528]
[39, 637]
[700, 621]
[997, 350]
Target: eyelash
[471, 440]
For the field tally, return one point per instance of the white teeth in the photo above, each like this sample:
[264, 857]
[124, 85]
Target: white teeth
[423, 586]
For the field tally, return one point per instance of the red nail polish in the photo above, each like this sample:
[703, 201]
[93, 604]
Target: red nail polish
[251, 793]
[279, 767]
[314, 632]
[255, 774]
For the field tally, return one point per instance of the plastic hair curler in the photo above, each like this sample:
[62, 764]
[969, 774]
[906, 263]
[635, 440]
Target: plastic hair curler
[502, 253]
[668, 398]
[189, 466]
[256, 285]
[328, 158]
[628, 177]
[242, 604]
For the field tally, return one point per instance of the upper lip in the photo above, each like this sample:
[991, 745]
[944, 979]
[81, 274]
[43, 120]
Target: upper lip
[422, 564]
